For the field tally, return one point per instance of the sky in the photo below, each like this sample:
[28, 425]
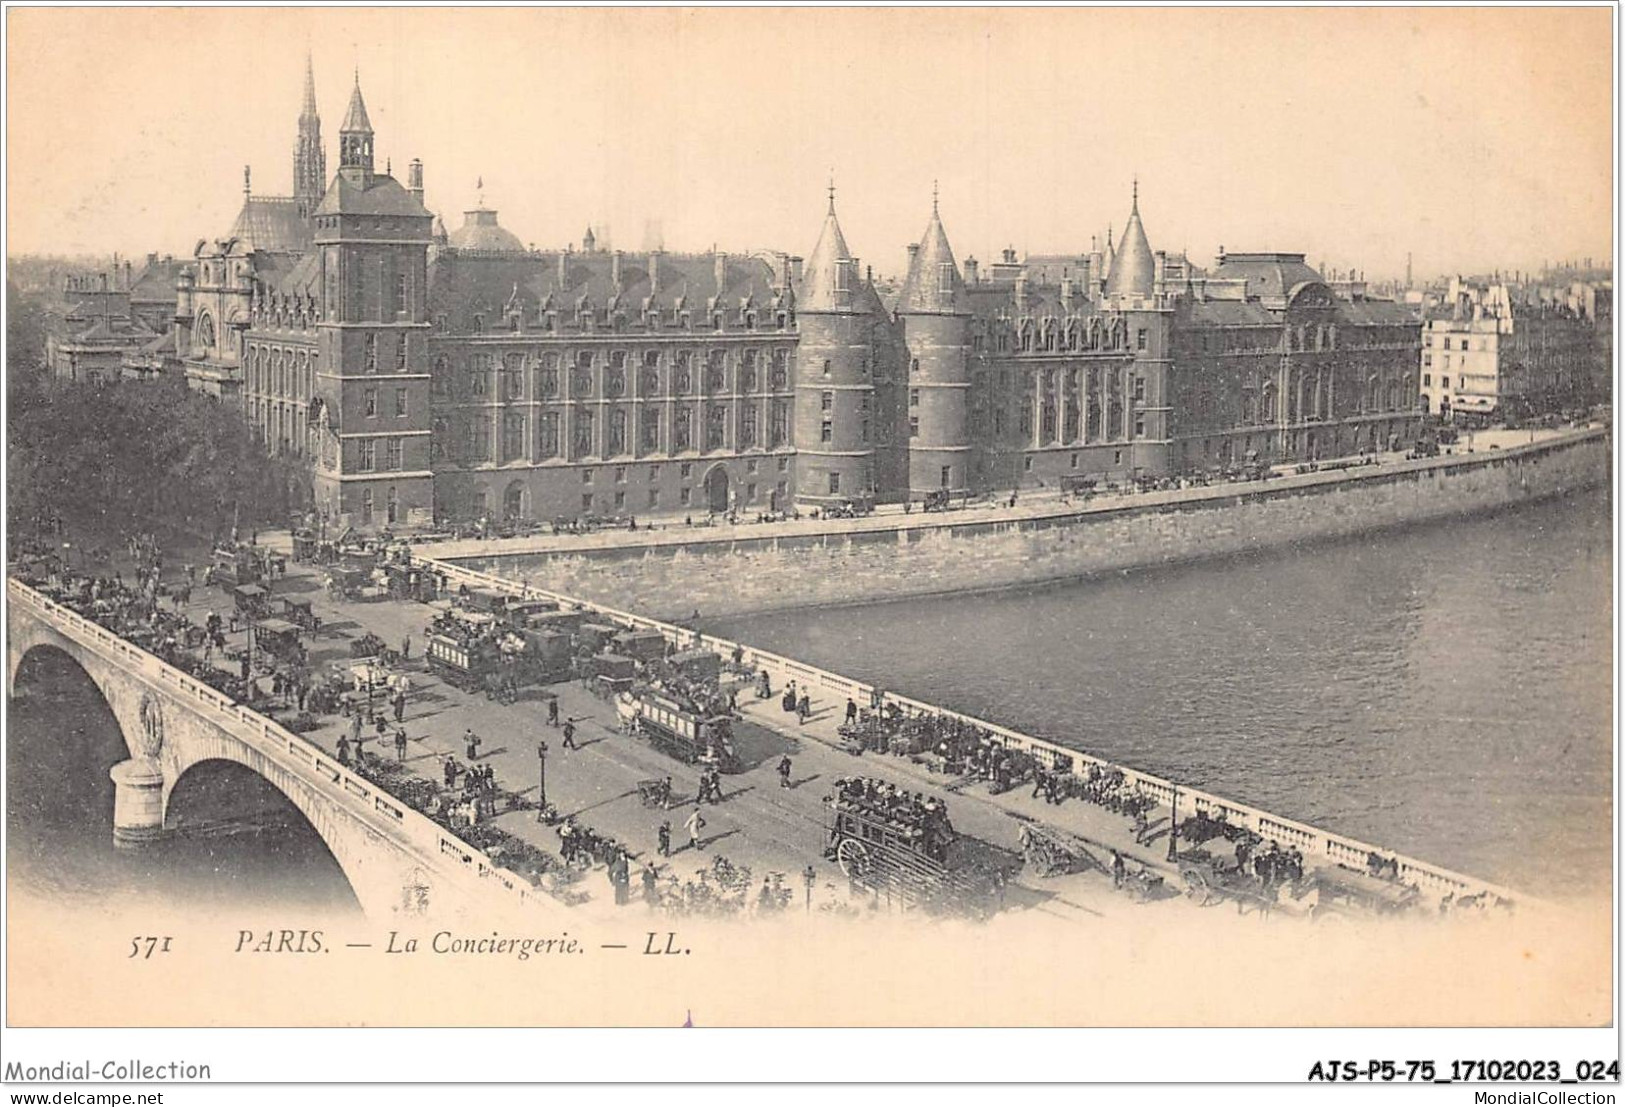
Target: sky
[1473, 139]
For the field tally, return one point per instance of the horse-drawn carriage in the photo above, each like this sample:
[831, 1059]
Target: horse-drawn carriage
[278, 640]
[350, 583]
[907, 848]
[298, 612]
[463, 662]
[1050, 851]
[1344, 891]
[1208, 881]
[410, 582]
[251, 601]
[235, 565]
[677, 731]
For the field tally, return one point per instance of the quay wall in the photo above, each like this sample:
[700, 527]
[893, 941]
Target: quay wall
[740, 570]
[1432, 880]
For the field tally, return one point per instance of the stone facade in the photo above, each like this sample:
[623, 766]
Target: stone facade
[532, 385]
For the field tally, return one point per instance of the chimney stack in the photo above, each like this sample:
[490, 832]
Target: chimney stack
[615, 270]
[1021, 290]
[721, 266]
[414, 179]
[654, 271]
[564, 271]
[970, 270]
[795, 270]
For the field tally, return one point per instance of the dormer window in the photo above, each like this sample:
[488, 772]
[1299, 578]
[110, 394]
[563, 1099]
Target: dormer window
[841, 277]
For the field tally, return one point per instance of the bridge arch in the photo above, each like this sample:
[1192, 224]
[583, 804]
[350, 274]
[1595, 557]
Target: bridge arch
[251, 794]
[364, 856]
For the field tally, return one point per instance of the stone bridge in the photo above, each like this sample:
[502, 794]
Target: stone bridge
[398, 862]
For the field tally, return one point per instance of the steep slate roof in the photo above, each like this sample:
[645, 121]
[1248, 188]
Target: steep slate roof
[463, 284]
[271, 223]
[382, 195]
[356, 118]
[922, 288]
[1133, 269]
[156, 284]
[302, 278]
[817, 292]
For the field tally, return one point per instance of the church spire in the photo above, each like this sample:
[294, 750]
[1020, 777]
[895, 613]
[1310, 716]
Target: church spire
[310, 88]
[309, 158]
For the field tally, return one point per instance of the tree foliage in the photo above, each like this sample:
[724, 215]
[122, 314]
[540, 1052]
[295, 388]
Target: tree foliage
[137, 456]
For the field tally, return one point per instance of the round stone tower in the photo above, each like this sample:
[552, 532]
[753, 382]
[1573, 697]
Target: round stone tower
[835, 317]
[936, 330]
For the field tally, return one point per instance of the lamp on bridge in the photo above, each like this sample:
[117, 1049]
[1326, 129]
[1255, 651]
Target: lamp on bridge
[541, 784]
[1173, 827]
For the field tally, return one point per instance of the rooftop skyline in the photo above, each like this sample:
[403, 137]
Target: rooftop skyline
[1473, 139]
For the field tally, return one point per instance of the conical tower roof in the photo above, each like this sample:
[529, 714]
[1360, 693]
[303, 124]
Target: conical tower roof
[822, 286]
[1133, 269]
[356, 118]
[933, 283]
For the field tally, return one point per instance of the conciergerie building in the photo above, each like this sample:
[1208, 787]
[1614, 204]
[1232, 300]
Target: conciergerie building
[437, 377]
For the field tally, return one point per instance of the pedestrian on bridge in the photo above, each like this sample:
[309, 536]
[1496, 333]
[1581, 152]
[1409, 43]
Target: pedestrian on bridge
[406, 647]
[569, 742]
[553, 712]
[471, 744]
[663, 836]
[344, 751]
[400, 704]
[695, 824]
[784, 772]
[400, 743]
[355, 727]
[851, 710]
[803, 708]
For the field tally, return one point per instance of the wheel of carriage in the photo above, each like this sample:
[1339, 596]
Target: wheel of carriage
[1196, 886]
[853, 856]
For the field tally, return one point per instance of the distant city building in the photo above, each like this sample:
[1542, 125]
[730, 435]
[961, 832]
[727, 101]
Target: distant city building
[113, 325]
[1498, 351]
[435, 375]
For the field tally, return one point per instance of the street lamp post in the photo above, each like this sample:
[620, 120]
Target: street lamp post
[541, 783]
[809, 876]
[1173, 827]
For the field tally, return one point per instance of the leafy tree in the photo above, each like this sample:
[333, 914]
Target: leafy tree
[135, 456]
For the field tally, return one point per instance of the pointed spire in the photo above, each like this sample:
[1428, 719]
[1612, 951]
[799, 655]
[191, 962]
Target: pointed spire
[309, 109]
[933, 283]
[1133, 271]
[829, 274]
[355, 120]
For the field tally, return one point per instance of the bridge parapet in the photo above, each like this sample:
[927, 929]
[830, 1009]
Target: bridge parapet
[335, 800]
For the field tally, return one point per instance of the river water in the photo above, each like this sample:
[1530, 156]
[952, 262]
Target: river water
[243, 846]
[1442, 690]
